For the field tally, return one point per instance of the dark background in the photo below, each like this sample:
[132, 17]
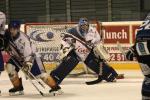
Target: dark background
[72, 10]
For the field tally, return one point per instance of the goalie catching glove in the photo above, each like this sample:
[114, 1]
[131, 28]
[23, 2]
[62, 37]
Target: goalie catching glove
[101, 52]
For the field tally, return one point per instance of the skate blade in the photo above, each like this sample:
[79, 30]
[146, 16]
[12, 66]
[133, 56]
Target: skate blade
[16, 93]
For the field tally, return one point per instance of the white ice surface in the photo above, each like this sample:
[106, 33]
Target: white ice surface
[76, 89]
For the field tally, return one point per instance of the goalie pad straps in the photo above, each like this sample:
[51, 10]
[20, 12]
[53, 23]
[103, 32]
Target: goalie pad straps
[65, 67]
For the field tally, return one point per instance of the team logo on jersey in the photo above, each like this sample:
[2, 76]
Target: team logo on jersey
[41, 36]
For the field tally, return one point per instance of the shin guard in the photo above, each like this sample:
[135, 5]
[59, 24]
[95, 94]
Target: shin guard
[101, 68]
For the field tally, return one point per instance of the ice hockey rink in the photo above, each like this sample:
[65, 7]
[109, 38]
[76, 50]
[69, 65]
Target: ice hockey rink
[76, 89]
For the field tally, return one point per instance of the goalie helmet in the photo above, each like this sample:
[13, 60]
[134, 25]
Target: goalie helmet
[83, 25]
[2, 22]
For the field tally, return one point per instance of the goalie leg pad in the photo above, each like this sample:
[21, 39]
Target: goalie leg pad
[1, 62]
[146, 89]
[67, 65]
[108, 73]
[93, 62]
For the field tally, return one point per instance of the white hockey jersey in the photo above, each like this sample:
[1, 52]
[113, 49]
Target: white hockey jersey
[2, 23]
[24, 47]
[81, 50]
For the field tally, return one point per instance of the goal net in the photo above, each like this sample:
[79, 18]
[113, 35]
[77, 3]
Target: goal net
[46, 37]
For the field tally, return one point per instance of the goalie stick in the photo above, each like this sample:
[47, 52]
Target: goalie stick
[120, 48]
[120, 76]
[88, 46]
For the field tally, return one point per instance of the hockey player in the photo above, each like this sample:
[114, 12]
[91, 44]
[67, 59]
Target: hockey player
[23, 51]
[80, 43]
[141, 51]
[2, 31]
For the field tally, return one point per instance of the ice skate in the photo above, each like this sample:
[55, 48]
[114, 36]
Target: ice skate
[17, 90]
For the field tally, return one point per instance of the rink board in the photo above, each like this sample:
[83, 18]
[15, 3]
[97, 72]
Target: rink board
[118, 66]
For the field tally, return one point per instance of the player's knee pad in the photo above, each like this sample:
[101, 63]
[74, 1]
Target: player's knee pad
[11, 71]
[108, 73]
[146, 89]
[64, 68]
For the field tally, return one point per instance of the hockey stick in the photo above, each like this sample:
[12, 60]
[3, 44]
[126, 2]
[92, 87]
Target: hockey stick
[99, 28]
[99, 77]
[94, 81]
[12, 46]
[27, 76]
[120, 48]
[88, 46]
[120, 76]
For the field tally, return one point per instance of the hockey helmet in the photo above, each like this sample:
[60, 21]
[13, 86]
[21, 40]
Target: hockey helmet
[14, 24]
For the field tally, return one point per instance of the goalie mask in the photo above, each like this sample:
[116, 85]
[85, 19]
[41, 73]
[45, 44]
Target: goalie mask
[2, 22]
[83, 25]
